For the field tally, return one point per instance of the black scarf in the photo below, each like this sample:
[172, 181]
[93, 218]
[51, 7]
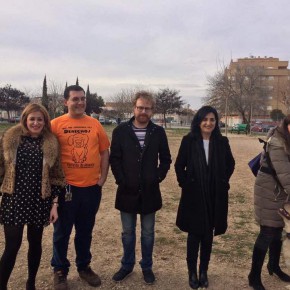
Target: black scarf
[206, 175]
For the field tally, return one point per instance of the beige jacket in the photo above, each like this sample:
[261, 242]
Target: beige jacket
[52, 173]
[267, 198]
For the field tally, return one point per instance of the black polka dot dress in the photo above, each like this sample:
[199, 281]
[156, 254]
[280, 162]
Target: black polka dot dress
[25, 205]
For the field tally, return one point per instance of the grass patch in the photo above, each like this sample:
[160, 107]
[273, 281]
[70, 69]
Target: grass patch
[220, 252]
[164, 241]
[177, 231]
[177, 132]
[238, 198]
[226, 237]
[175, 198]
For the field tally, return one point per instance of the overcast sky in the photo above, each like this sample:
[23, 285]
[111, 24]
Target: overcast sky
[111, 44]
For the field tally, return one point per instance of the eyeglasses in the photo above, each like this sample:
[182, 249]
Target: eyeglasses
[141, 109]
[77, 100]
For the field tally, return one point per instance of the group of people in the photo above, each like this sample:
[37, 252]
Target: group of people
[53, 172]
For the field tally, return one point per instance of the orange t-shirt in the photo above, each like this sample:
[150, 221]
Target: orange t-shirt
[81, 142]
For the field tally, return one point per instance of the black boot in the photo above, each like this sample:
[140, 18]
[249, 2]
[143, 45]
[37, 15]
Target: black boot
[30, 285]
[257, 264]
[203, 280]
[193, 280]
[191, 259]
[274, 260]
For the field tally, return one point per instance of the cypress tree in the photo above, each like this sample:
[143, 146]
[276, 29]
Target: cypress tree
[44, 99]
[65, 107]
[65, 87]
[89, 101]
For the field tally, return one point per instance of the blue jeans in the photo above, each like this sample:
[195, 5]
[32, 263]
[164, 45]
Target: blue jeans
[80, 212]
[129, 239]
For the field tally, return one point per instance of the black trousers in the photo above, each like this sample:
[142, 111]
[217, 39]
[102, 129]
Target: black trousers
[13, 241]
[196, 243]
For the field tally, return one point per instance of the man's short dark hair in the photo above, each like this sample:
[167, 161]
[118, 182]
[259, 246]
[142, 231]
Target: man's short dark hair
[144, 95]
[72, 88]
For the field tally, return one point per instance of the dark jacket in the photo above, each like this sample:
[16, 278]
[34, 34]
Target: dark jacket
[203, 205]
[138, 172]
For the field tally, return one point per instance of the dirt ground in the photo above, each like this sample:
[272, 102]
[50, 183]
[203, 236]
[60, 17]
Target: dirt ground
[230, 261]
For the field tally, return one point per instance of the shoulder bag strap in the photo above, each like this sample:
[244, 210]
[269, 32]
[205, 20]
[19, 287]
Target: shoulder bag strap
[270, 165]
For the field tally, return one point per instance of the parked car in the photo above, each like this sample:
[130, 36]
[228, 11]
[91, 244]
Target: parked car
[268, 127]
[2, 120]
[104, 121]
[124, 120]
[14, 120]
[257, 128]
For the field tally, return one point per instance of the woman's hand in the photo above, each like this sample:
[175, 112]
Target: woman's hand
[53, 213]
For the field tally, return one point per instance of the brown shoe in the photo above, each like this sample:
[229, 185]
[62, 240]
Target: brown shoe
[90, 277]
[60, 281]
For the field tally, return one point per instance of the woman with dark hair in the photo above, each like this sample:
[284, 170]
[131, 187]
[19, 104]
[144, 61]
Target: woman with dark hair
[203, 167]
[268, 198]
[30, 179]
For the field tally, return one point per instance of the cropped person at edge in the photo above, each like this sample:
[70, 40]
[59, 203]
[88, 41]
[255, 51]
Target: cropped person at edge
[268, 198]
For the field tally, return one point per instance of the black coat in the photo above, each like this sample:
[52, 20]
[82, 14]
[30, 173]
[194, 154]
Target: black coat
[138, 172]
[203, 205]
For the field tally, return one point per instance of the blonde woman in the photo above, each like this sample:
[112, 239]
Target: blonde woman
[31, 178]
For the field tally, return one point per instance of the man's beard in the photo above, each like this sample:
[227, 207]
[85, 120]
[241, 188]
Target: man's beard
[142, 119]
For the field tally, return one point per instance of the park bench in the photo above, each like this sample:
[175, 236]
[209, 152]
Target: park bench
[240, 128]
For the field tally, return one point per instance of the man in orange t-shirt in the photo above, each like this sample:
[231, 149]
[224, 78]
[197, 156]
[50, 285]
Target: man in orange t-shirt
[85, 161]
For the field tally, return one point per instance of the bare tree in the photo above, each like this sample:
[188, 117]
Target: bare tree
[219, 93]
[239, 90]
[122, 102]
[55, 98]
[283, 93]
[185, 114]
[248, 90]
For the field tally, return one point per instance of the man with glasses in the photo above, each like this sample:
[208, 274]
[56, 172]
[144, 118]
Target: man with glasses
[140, 159]
[85, 161]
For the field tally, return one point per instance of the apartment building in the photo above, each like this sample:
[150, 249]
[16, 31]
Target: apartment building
[276, 76]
